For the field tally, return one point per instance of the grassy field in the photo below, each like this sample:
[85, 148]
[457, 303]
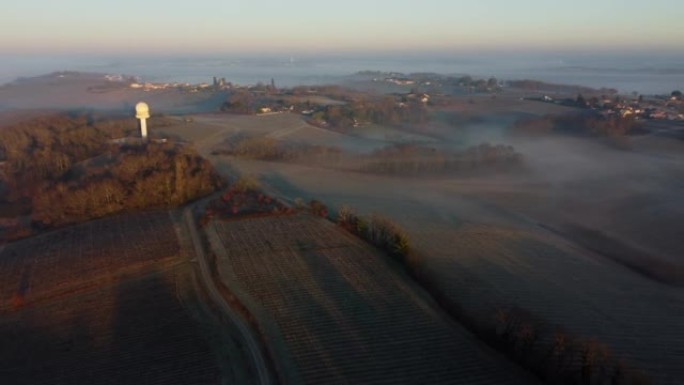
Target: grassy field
[337, 311]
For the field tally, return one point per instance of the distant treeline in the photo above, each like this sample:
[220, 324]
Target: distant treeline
[412, 160]
[397, 159]
[362, 107]
[270, 149]
[354, 107]
[64, 169]
[379, 231]
[535, 85]
[587, 123]
[387, 110]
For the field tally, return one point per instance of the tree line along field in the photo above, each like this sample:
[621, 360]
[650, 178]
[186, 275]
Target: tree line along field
[335, 310]
[482, 269]
[58, 262]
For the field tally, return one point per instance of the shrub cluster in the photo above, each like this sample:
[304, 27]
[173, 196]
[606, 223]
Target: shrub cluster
[318, 208]
[64, 168]
[377, 230]
[135, 178]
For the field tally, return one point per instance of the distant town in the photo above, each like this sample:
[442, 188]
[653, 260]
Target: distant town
[433, 88]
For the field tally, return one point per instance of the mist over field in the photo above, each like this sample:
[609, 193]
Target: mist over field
[628, 188]
[363, 192]
[535, 215]
[582, 231]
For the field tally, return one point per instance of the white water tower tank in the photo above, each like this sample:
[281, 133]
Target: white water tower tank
[142, 113]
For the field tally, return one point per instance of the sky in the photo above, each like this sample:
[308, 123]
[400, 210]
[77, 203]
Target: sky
[220, 26]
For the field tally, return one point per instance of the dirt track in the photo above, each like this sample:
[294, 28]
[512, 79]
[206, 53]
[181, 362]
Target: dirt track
[246, 334]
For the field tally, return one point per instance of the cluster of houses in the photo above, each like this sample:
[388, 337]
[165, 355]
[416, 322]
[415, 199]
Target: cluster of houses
[655, 108]
[136, 84]
[400, 81]
[647, 112]
[149, 86]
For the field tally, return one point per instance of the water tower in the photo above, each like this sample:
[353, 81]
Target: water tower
[142, 113]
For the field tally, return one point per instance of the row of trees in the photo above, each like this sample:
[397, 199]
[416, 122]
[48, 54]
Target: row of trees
[413, 160]
[581, 124]
[380, 231]
[535, 85]
[555, 355]
[270, 149]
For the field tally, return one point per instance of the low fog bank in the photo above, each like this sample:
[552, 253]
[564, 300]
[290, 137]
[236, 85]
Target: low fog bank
[603, 193]
[620, 190]
[620, 197]
[617, 198]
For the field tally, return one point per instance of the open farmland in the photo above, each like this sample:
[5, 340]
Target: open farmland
[113, 301]
[337, 311]
[491, 241]
[129, 332]
[484, 268]
[58, 262]
[484, 256]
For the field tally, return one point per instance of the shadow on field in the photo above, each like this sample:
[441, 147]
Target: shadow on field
[135, 332]
[284, 186]
[634, 259]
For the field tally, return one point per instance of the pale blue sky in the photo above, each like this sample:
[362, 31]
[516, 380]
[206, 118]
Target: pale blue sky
[218, 26]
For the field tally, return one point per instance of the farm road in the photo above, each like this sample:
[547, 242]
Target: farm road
[249, 340]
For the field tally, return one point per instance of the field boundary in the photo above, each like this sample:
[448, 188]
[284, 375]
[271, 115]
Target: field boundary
[211, 287]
